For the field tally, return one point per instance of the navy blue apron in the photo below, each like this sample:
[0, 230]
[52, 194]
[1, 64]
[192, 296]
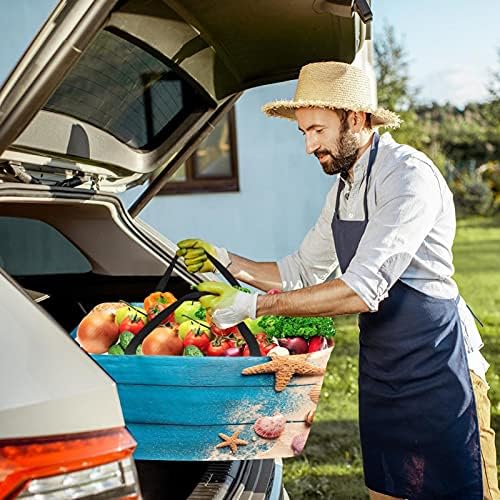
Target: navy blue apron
[417, 415]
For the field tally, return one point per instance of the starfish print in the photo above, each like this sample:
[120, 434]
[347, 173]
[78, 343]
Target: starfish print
[284, 368]
[232, 441]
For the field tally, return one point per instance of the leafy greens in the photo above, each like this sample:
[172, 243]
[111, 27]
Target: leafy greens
[286, 326]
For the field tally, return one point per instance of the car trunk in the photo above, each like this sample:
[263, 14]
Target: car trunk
[123, 269]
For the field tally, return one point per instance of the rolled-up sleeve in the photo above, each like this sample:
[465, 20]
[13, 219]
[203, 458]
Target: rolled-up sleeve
[315, 260]
[408, 203]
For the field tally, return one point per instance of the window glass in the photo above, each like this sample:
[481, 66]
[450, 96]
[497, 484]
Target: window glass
[213, 166]
[180, 175]
[125, 90]
[213, 157]
[32, 247]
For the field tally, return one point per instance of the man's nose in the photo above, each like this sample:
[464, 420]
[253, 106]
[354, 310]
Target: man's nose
[311, 144]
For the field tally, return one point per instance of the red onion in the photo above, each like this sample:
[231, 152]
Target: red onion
[233, 352]
[296, 345]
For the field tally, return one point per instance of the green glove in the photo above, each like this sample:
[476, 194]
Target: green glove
[195, 257]
[194, 251]
[221, 294]
[227, 305]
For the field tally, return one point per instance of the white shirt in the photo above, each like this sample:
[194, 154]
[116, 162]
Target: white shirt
[409, 235]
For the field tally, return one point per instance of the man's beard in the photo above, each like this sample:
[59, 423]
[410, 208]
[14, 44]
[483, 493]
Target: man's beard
[347, 153]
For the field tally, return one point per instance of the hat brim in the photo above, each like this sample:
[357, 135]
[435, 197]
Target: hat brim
[381, 117]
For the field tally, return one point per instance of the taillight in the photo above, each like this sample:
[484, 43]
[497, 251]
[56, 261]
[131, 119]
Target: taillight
[72, 466]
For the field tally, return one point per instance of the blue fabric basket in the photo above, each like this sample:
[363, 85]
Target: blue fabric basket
[176, 407]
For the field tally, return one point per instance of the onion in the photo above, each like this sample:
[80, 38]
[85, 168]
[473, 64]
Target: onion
[296, 345]
[108, 307]
[278, 351]
[163, 341]
[97, 331]
[233, 352]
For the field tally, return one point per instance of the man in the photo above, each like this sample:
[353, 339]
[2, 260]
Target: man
[388, 225]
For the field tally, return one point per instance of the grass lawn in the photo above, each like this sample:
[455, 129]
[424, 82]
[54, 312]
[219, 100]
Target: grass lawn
[330, 466]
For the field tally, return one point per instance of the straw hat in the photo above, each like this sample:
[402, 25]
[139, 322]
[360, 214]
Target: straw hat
[333, 85]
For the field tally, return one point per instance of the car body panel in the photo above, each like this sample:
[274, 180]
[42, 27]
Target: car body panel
[37, 355]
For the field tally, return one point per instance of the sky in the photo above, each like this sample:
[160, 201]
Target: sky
[451, 44]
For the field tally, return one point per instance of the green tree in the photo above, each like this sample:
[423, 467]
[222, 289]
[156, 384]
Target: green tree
[391, 68]
[396, 93]
[491, 111]
[494, 84]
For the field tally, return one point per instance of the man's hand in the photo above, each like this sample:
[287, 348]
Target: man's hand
[227, 305]
[194, 251]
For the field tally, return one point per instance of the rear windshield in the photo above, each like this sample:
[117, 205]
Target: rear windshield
[128, 91]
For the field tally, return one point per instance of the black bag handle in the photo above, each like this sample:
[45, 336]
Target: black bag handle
[247, 335]
[162, 284]
[223, 270]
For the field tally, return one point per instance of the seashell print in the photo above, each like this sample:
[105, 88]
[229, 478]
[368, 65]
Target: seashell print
[315, 393]
[298, 443]
[309, 418]
[270, 427]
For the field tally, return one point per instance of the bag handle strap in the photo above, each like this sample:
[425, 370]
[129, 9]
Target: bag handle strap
[248, 336]
[162, 284]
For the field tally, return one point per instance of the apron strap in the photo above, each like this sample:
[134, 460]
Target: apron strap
[474, 315]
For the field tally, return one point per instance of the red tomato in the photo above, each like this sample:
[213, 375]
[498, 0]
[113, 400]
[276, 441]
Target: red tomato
[223, 332]
[201, 340]
[261, 338]
[218, 348]
[132, 325]
[264, 347]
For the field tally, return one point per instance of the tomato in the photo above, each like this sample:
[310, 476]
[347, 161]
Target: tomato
[218, 347]
[155, 299]
[264, 346]
[199, 339]
[223, 332]
[132, 325]
[261, 338]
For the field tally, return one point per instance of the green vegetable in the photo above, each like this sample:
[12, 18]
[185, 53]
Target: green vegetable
[125, 339]
[116, 350]
[253, 325]
[201, 314]
[190, 308]
[138, 351]
[192, 350]
[242, 289]
[285, 326]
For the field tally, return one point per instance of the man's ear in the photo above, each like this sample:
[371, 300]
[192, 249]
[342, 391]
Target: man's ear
[357, 120]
